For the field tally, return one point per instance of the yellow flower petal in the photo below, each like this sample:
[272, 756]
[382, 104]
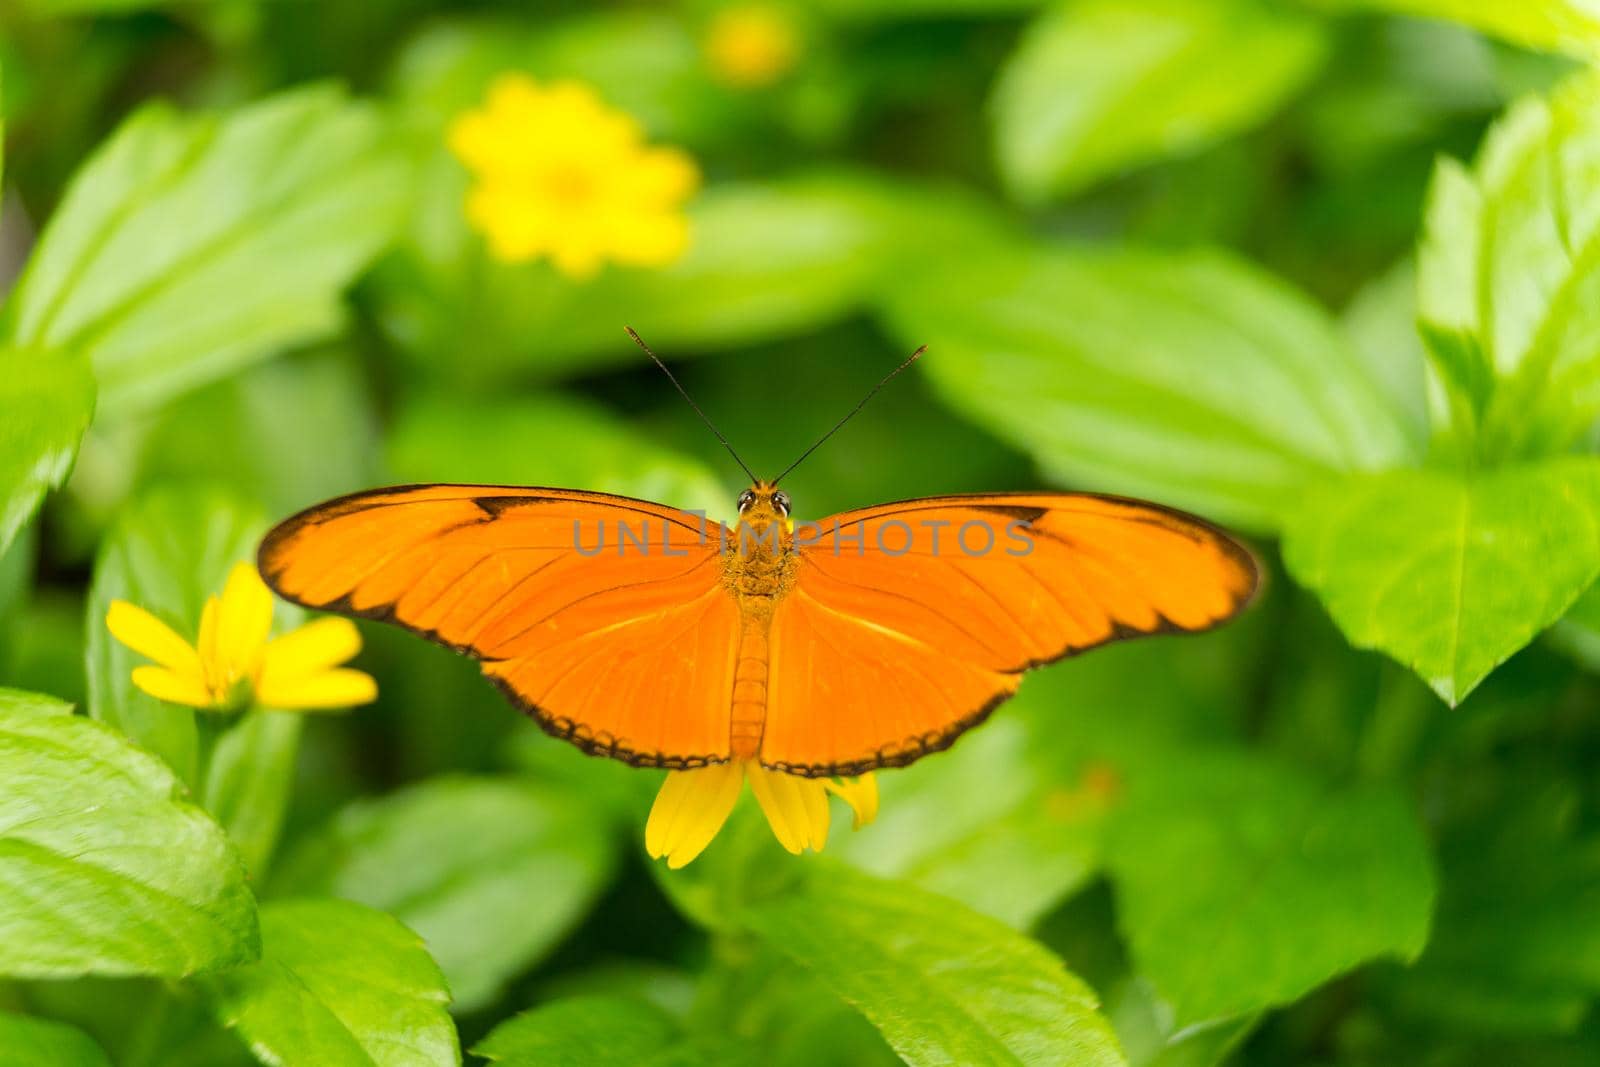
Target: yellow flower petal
[663, 175]
[316, 646]
[342, 688]
[861, 794]
[559, 174]
[689, 810]
[795, 807]
[164, 684]
[150, 637]
[244, 619]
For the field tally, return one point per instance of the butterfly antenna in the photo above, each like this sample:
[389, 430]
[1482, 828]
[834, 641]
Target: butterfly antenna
[685, 393]
[872, 393]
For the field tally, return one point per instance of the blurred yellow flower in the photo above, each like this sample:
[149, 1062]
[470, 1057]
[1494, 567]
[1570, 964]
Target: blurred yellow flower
[692, 806]
[234, 664]
[560, 174]
[752, 45]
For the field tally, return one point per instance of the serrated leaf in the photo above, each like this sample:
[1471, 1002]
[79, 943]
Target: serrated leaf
[591, 1031]
[48, 400]
[943, 984]
[1190, 378]
[26, 1042]
[167, 552]
[339, 985]
[1509, 275]
[190, 246]
[466, 893]
[1242, 884]
[1450, 573]
[1099, 86]
[104, 869]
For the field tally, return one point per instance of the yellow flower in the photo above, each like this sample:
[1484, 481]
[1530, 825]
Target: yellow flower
[752, 45]
[234, 664]
[693, 805]
[560, 174]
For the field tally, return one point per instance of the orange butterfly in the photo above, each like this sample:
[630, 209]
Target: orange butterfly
[790, 656]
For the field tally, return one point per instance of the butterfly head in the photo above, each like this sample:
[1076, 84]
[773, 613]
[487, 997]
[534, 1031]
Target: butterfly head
[763, 504]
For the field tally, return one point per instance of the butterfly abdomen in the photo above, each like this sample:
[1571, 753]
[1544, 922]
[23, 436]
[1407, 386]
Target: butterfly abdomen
[748, 720]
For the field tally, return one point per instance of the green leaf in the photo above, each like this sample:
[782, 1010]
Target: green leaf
[1381, 322]
[286, 434]
[942, 983]
[1571, 26]
[1099, 86]
[1188, 377]
[48, 399]
[1516, 943]
[454, 859]
[21, 702]
[590, 1031]
[339, 985]
[142, 1022]
[1083, 930]
[1152, 1038]
[1579, 630]
[644, 62]
[553, 440]
[190, 246]
[1450, 573]
[766, 260]
[168, 552]
[1017, 843]
[1226, 860]
[754, 1008]
[249, 780]
[1509, 276]
[103, 868]
[26, 1042]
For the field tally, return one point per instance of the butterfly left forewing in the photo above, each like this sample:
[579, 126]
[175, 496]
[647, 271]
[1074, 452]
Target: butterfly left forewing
[907, 623]
[626, 652]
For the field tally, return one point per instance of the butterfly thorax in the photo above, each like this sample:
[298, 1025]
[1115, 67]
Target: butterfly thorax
[759, 565]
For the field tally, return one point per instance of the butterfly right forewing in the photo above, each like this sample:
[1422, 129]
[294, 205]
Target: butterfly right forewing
[908, 623]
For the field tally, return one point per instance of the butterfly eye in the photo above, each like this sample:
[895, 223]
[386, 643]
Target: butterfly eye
[780, 500]
[745, 499]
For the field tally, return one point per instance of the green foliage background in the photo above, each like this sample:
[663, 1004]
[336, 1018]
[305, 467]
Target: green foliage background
[1326, 271]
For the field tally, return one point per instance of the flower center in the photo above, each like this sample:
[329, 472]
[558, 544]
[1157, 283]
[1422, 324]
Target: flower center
[570, 186]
